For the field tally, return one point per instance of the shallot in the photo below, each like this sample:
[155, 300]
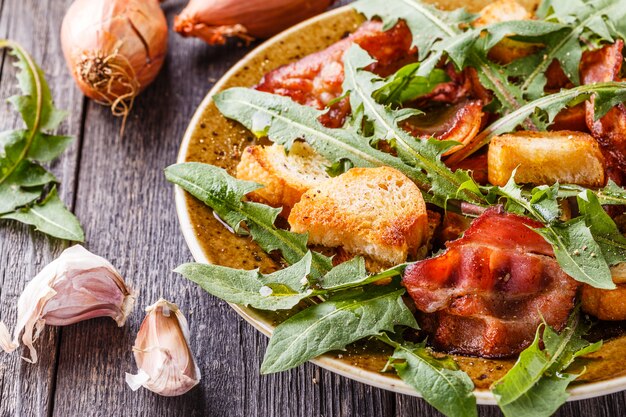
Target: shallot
[114, 48]
[215, 20]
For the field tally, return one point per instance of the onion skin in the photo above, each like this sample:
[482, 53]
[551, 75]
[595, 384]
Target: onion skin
[215, 20]
[114, 48]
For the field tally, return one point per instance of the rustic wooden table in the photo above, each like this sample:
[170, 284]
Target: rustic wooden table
[118, 191]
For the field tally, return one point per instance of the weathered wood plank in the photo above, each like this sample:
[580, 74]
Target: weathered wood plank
[24, 388]
[128, 211]
[305, 391]
[131, 220]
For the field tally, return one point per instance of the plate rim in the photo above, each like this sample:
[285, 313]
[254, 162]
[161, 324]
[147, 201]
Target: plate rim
[375, 379]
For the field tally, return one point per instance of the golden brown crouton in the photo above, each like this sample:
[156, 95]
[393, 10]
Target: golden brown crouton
[374, 266]
[507, 50]
[285, 176]
[607, 304]
[377, 212]
[501, 11]
[546, 158]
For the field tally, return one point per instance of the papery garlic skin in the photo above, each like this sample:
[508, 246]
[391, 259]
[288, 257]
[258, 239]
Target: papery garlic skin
[165, 361]
[76, 286]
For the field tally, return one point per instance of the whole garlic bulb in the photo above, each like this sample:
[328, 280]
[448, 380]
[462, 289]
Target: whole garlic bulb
[166, 364]
[76, 286]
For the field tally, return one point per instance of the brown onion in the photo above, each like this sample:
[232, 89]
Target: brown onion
[215, 20]
[114, 48]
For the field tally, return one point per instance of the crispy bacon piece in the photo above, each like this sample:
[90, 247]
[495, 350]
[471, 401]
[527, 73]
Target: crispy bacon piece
[452, 227]
[317, 79]
[603, 65]
[478, 164]
[488, 292]
[555, 77]
[571, 118]
[462, 85]
[459, 122]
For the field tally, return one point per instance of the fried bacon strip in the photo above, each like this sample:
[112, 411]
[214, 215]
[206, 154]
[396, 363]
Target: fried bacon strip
[462, 85]
[571, 118]
[487, 293]
[478, 164]
[459, 122]
[317, 79]
[604, 65]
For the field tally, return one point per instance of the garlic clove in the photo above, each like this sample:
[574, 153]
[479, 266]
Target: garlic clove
[76, 286]
[165, 361]
[89, 287]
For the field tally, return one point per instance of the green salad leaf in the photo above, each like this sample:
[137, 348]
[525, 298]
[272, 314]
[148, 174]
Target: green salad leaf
[438, 380]
[224, 194]
[536, 385]
[405, 85]
[352, 274]
[284, 288]
[583, 21]
[27, 190]
[428, 24]
[334, 324]
[286, 121]
[610, 240]
[425, 154]
[611, 194]
[281, 290]
[436, 32]
[50, 217]
[550, 105]
[575, 242]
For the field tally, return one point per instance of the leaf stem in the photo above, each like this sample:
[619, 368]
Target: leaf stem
[504, 124]
[5, 43]
[449, 30]
[551, 55]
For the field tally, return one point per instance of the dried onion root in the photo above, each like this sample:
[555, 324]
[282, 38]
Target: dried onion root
[214, 21]
[114, 49]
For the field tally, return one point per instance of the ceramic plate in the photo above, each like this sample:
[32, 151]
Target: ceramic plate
[210, 138]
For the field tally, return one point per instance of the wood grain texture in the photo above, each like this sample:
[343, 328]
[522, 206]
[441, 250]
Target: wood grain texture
[25, 389]
[127, 209]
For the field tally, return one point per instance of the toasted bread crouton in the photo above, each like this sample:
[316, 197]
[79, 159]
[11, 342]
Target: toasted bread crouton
[377, 212]
[374, 266]
[507, 50]
[501, 11]
[607, 304]
[546, 158]
[285, 176]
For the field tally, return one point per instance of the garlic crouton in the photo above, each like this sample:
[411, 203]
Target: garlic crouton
[546, 158]
[285, 176]
[501, 11]
[376, 212]
[607, 304]
[507, 50]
